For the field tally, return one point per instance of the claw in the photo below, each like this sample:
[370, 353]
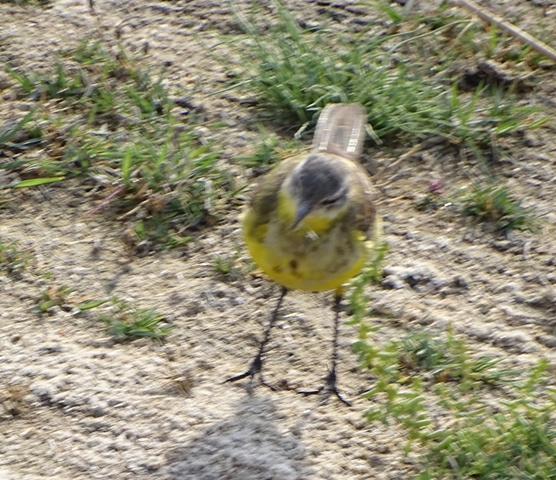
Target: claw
[328, 389]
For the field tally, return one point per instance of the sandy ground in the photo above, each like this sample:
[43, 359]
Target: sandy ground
[98, 408]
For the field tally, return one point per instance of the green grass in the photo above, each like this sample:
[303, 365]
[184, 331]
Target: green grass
[226, 264]
[296, 72]
[490, 204]
[406, 368]
[464, 415]
[9, 133]
[129, 322]
[516, 439]
[124, 320]
[495, 205]
[115, 123]
[270, 150]
[54, 296]
[371, 273]
[63, 295]
[42, 87]
[232, 266]
[14, 259]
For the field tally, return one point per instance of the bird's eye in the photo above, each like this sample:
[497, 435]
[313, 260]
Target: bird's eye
[330, 201]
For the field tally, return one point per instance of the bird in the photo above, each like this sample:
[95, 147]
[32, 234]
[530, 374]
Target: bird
[312, 224]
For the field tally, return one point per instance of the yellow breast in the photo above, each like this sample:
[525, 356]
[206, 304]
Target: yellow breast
[320, 254]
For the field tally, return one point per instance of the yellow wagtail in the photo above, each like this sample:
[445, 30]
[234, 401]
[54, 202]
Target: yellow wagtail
[312, 224]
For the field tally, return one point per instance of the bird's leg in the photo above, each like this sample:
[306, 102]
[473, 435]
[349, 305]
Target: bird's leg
[331, 377]
[330, 387]
[257, 363]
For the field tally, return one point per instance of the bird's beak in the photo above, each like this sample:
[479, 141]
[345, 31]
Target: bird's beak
[302, 211]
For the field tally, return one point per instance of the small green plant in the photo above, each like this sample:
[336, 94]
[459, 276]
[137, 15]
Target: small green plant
[491, 111]
[406, 369]
[130, 322]
[62, 295]
[175, 179]
[34, 182]
[225, 265]
[495, 205]
[89, 53]
[13, 259]
[371, 273]
[440, 360]
[8, 133]
[52, 297]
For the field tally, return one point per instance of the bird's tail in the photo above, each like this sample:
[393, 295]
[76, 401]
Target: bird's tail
[341, 130]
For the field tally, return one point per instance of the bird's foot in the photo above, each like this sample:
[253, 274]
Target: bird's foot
[253, 370]
[327, 389]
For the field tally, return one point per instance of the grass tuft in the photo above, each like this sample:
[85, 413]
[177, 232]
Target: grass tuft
[129, 322]
[51, 297]
[13, 259]
[296, 72]
[495, 205]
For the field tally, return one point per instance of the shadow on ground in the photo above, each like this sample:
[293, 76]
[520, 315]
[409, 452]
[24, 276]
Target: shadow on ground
[247, 445]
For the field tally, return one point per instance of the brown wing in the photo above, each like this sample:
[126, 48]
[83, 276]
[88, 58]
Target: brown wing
[265, 197]
[341, 130]
[362, 203]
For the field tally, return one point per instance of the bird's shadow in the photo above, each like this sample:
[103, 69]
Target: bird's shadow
[248, 445]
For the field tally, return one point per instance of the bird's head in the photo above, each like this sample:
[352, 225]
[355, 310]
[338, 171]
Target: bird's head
[318, 191]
